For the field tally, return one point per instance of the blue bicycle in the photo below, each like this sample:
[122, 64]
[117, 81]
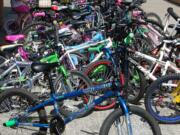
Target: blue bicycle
[23, 113]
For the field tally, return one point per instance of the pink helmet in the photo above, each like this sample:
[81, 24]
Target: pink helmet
[20, 6]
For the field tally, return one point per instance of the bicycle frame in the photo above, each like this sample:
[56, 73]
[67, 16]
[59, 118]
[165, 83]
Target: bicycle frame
[22, 73]
[70, 50]
[149, 73]
[166, 24]
[55, 98]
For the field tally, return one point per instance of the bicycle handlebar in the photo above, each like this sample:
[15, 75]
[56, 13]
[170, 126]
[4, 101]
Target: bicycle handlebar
[172, 13]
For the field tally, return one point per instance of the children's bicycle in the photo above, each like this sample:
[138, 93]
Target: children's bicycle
[22, 110]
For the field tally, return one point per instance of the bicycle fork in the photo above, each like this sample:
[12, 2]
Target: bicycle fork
[118, 126]
[127, 117]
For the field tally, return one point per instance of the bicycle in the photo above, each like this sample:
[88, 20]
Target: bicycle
[57, 123]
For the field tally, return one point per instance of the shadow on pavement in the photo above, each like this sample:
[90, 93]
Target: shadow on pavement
[90, 133]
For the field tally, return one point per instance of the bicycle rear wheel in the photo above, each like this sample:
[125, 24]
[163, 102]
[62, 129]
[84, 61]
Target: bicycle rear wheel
[142, 123]
[101, 72]
[14, 103]
[75, 81]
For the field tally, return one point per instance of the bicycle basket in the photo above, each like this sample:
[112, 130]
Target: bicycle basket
[45, 3]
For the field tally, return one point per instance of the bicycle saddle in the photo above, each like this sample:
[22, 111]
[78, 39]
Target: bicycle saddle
[14, 38]
[43, 67]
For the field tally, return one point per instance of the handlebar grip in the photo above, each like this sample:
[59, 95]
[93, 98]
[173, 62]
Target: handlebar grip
[172, 13]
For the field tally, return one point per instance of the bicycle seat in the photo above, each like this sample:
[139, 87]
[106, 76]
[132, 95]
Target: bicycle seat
[14, 38]
[43, 67]
[9, 47]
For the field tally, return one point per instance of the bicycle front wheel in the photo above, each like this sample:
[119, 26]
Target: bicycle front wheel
[142, 123]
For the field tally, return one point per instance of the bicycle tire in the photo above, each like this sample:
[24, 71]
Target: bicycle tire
[26, 29]
[133, 110]
[142, 89]
[133, 100]
[149, 94]
[31, 99]
[87, 72]
[88, 82]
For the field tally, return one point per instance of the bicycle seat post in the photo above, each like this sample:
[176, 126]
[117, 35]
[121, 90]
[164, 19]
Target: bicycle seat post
[50, 82]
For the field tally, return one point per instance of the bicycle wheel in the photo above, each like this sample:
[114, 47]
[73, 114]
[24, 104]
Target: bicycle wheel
[136, 84]
[101, 72]
[11, 27]
[160, 100]
[142, 123]
[13, 103]
[39, 39]
[75, 81]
